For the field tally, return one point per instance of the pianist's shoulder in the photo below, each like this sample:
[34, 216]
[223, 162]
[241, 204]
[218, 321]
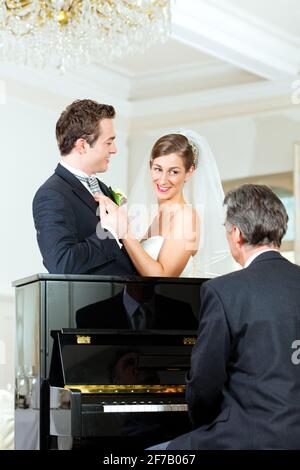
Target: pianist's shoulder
[269, 269]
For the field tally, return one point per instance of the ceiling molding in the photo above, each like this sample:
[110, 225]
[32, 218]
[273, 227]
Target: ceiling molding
[256, 19]
[188, 78]
[211, 104]
[235, 38]
[50, 89]
[208, 67]
[154, 112]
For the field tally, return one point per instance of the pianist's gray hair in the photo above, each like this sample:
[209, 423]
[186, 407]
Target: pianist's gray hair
[258, 213]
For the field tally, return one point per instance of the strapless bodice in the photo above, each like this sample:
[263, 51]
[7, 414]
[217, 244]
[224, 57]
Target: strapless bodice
[153, 245]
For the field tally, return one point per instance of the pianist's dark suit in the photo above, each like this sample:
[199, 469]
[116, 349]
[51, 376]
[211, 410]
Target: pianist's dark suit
[243, 390]
[65, 220]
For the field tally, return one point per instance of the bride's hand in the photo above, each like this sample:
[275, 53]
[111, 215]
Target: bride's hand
[105, 201]
[96, 196]
[113, 217]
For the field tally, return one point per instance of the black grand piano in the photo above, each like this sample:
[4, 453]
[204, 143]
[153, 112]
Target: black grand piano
[108, 361]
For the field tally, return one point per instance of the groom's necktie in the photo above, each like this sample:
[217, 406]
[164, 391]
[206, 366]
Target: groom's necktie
[138, 319]
[92, 183]
[142, 317]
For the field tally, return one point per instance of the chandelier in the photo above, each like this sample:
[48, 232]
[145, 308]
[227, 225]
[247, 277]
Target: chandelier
[65, 34]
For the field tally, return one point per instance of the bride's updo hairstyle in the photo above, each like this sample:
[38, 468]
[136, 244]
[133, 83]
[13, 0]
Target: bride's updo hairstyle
[175, 143]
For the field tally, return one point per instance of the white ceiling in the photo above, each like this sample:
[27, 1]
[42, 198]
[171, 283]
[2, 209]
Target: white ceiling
[217, 49]
[239, 32]
[217, 43]
[173, 68]
[160, 57]
[283, 14]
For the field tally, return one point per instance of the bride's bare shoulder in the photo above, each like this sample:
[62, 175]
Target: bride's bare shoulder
[187, 220]
[187, 214]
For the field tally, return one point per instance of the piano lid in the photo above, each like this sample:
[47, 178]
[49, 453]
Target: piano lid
[125, 361]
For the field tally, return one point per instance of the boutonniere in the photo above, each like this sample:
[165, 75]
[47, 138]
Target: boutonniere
[118, 197]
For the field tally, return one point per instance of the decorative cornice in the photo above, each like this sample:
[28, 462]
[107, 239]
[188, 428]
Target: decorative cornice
[188, 78]
[211, 104]
[91, 82]
[234, 36]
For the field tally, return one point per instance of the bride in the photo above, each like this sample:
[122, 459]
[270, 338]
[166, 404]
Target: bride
[175, 226]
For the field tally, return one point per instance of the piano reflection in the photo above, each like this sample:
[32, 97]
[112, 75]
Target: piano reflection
[118, 388]
[156, 311]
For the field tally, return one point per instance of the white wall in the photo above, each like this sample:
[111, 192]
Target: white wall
[29, 156]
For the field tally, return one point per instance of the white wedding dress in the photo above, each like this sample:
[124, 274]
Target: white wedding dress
[153, 245]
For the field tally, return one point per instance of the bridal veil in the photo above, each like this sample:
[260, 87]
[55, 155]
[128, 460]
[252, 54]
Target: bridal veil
[203, 192]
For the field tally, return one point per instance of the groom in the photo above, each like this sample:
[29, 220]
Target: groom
[70, 236]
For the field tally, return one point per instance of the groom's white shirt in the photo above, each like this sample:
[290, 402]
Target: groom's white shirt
[77, 172]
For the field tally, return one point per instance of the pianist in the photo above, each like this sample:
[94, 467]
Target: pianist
[243, 387]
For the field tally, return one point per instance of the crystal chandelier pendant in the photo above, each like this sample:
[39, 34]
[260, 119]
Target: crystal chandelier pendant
[64, 34]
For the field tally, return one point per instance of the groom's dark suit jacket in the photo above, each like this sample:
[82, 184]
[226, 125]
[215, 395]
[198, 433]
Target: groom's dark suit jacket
[65, 219]
[243, 389]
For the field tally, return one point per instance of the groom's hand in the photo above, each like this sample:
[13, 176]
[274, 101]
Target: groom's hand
[113, 217]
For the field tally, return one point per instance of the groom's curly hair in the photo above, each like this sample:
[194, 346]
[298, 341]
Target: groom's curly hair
[80, 121]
